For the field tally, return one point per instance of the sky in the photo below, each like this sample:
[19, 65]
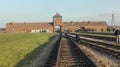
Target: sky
[71, 10]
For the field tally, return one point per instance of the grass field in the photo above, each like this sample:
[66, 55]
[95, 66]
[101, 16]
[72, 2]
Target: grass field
[108, 36]
[103, 34]
[15, 46]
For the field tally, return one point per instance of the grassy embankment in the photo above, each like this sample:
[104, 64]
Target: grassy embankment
[109, 36]
[102, 34]
[15, 46]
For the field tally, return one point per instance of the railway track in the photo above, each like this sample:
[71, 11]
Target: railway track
[70, 55]
[111, 50]
[100, 42]
[101, 46]
[103, 43]
[67, 54]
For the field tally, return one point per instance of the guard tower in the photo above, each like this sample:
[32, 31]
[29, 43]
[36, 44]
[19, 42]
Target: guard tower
[57, 22]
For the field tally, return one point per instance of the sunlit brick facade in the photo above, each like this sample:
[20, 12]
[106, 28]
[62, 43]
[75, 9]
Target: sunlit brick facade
[52, 26]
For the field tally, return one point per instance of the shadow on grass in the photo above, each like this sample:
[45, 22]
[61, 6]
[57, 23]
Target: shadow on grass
[33, 54]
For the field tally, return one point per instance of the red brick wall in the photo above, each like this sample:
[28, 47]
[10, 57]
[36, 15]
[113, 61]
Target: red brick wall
[57, 22]
[74, 28]
[22, 28]
[98, 28]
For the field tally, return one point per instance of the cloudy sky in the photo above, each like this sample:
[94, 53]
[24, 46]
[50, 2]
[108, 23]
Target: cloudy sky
[71, 10]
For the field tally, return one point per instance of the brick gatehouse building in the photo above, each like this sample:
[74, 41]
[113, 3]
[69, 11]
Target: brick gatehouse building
[56, 25]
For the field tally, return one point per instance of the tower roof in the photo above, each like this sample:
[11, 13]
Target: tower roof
[57, 15]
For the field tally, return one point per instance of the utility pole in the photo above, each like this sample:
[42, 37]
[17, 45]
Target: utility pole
[113, 21]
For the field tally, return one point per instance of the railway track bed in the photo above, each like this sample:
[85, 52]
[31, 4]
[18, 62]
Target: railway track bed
[102, 48]
[70, 55]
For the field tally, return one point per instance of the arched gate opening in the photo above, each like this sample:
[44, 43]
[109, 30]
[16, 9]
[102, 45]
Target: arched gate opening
[57, 28]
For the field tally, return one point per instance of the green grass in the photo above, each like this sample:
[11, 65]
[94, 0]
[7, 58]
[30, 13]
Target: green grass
[15, 46]
[103, 34]
[100, 33]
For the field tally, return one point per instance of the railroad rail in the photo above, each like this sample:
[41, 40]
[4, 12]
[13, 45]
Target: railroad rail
[102, 42]
[67, 53]
[111, 49]
[70, 55]
[108, 48]
[102, 48]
